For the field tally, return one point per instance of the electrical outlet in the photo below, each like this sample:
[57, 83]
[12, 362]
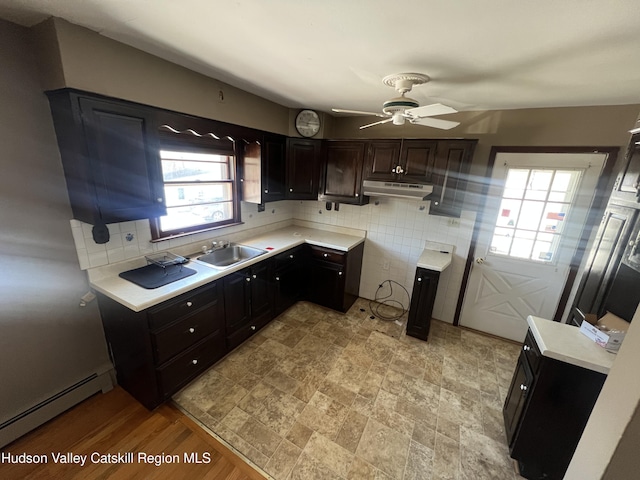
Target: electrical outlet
[385, 265]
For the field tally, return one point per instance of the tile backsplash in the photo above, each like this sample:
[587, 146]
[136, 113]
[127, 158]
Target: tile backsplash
[397, 232]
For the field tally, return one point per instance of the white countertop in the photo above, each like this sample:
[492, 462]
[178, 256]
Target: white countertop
[565, 343]
[435, 259]
[137, 298]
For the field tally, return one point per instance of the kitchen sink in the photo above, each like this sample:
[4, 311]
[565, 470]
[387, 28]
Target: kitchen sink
[231, 255]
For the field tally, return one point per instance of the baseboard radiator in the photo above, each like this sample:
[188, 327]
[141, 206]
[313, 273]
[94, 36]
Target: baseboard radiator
[53, 406]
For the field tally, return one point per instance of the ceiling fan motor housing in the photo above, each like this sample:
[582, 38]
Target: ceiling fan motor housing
[399, 105]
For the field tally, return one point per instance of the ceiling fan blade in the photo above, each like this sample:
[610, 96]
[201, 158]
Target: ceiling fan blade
[434, 122]
[431, 110]
[358, 112]
[377, 123]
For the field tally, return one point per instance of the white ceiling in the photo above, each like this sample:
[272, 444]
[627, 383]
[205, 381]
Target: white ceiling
[480, 55]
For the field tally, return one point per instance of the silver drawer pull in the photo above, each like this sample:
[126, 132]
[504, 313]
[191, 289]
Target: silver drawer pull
[248, 279]
[339, 273]
[194, 361]
[523, 387]
[192, 330]
[254, 276]
[253, 327]
[290, 256]
[278, 279]
[526, 348]
[189, 304]
[419, 279]
[325, 255]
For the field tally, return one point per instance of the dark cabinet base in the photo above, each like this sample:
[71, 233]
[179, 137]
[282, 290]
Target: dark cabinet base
[422, 299]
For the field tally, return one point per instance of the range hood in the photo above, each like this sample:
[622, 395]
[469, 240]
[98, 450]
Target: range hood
[412, 191]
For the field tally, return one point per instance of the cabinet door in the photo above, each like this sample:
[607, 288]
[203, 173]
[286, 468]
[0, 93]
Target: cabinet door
[452, 164]
[383, 156]
[422, 299]
[303, 160]
[632, 251]
[417, 159]
[342, 172]
[628, 181]
[125, 160]
[604, 259]
[327, 284]
[515, 402]
[237, 295]
[261, 305]
[274, 168]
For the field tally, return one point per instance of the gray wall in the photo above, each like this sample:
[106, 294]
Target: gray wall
[47, 341]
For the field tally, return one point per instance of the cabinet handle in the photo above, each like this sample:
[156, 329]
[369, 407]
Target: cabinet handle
[248, 279]
[291, 257]
[325, 255]
[291, 189]
[189, 304]
[340, 273]
[277, 279]
[194, 361]
[357, 195]
[253, 327]
[526, 348]
[254, 276]
[192, 330]
[266, 191]
[159, 199]
[436, 203]
[523, 387]
[419, 279]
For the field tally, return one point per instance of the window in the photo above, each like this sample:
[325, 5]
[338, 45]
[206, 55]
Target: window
[199, 189]
[533, 212]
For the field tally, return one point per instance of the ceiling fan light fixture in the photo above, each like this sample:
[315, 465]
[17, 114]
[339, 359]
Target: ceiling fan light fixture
[398, 119]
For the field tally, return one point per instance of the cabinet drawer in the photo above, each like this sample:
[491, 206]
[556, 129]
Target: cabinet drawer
[532, 354]
[287, 258]
[181, 335]
[183, 305]
[328, 255]
[179, 371]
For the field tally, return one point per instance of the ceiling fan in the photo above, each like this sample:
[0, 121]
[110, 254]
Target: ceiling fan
[401, 109]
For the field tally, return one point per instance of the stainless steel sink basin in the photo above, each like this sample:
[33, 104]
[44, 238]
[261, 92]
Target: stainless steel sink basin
[229, 256]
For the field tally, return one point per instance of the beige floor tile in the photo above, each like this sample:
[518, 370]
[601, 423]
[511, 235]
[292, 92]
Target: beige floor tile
[351, 431]
[384, 448]
[308, 468]
[419, 462]
[283, 460]
[299, 434]
[337, 458]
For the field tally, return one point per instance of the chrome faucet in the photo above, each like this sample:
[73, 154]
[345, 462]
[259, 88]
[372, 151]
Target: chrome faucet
[220, 244]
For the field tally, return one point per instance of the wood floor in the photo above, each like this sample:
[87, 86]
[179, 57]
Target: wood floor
[115, 423]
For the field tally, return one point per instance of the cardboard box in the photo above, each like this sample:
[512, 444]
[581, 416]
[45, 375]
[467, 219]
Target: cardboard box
[608, 331]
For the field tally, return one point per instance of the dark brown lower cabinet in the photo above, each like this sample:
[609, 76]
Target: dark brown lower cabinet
[334, 277]
[546, 410]
[159, 350]
[423, 297]
[247, 295]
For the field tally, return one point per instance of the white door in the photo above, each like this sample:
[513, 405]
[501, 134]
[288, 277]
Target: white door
[535, 210]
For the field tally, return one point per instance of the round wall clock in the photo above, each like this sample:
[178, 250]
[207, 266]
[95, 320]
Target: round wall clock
[307, 123]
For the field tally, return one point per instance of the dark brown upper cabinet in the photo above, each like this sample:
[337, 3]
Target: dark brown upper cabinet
[264, 169]
[341, 176]
[409, 161]
[627, 186]
[417, 159]
[303, 169]
[450, 176]
[382, 158]
[110, 156]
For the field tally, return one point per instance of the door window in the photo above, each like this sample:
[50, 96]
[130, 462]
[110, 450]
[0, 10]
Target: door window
[533, 212]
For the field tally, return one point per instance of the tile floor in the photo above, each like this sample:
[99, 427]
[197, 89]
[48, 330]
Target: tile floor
[321, 395]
